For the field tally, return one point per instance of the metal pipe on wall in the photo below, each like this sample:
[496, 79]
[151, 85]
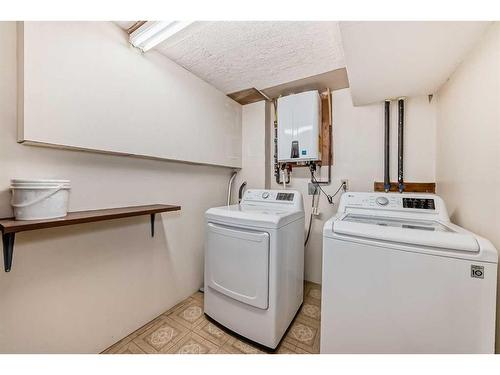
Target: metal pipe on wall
[387, 179]
[401, 115]
[278, 167]
[275, 156]
[240, 191]
[230, 187]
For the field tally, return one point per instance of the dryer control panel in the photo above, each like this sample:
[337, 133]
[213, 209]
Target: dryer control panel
[273, 197]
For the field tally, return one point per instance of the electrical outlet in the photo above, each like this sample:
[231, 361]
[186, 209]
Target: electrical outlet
[312, 188]
[345, 182]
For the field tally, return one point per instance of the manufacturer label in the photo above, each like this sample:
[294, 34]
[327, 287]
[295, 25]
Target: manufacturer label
[477, 272]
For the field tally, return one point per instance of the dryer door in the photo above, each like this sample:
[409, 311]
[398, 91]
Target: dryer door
[237, 263]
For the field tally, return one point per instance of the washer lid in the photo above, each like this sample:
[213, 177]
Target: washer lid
[412, 232]
[256, 216]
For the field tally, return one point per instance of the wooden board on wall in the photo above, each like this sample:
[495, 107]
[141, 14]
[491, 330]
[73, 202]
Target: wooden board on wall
[326, 130]
[410, 187]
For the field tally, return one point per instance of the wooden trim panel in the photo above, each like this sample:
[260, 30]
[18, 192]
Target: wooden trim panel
[410, 187]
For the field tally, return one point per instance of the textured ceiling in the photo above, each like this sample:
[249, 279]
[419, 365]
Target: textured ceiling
[236, 55]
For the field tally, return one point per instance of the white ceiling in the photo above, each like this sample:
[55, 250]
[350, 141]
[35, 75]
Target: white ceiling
[124, 24]
[392, 59]
[237, 55]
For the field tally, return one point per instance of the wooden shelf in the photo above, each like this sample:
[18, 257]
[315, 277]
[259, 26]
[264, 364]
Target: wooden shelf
[9, 227]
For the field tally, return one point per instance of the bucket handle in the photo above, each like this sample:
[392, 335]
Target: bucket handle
[39, 199]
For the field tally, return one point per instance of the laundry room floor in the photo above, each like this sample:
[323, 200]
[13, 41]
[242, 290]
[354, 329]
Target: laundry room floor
[184, 329]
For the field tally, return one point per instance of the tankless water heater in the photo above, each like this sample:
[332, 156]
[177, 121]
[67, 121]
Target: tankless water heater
[299, 120]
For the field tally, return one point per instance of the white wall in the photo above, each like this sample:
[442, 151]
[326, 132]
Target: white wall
[79, 289]
[468, 139]
[141, 104]
[358, 138]
[255, 156]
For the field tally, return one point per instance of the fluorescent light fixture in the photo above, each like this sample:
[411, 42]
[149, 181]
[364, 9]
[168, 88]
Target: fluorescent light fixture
[153, 33]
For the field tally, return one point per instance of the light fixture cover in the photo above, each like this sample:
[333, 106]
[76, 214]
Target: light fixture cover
[153, 33]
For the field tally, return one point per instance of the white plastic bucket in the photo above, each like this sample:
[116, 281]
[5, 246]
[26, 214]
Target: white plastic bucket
[39, 199]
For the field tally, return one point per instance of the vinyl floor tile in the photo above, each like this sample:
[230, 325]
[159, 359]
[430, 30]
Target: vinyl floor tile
[161, 337]
[190, 314]
[213, 333]
[130, 348]
[194, 344]
[237, 346]
[184, 329]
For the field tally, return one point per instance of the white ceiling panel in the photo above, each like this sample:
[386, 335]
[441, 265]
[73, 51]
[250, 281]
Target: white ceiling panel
[236, 55]
[393, 59]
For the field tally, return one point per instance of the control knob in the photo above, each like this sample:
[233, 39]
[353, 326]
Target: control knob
[265, 195]
[382, 201]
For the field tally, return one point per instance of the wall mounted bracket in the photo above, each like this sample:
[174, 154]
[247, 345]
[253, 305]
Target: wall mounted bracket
[8, 250]
[153, 216]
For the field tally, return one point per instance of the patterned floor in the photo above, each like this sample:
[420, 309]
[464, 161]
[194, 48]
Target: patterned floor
[184, 329]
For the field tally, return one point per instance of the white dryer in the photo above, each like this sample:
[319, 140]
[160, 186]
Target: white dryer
[254, 264]
[399, 277]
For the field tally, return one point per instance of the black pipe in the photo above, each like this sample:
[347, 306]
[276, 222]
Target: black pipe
[278, 166]
[275, 156]
[387, 179]
[401, 115]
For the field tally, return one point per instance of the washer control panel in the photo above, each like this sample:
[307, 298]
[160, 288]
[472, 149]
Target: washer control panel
[421, 203]
[285, 197]
[390, 201]
[415, 205]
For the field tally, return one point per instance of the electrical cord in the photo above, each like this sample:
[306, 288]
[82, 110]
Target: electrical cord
[311, 217]
[312, 168]
[328, 196]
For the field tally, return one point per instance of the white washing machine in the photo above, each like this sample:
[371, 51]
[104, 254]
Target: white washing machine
[254, 264]
[399, 277]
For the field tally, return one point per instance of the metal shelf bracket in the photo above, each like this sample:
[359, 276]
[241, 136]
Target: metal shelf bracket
[153, 216]
[8, 250]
